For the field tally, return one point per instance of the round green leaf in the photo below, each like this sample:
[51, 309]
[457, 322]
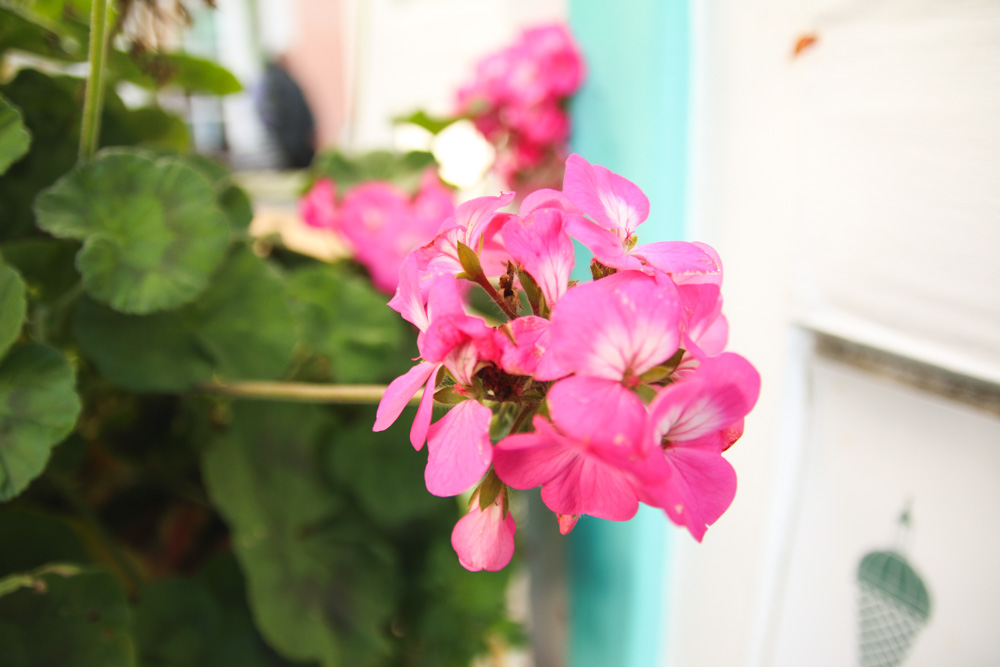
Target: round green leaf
[153, 234]
[14, 138]
[321, 582]
[12, 306]
[38, 408]
[62, 615]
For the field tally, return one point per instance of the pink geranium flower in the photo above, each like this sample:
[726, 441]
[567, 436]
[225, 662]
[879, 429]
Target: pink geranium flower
[379, 222]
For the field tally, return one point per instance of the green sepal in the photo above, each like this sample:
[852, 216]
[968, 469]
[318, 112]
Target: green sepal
[535, 297]
[469, 260]
[489, 489]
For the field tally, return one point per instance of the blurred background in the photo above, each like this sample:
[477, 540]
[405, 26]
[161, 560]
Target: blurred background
[844, 159]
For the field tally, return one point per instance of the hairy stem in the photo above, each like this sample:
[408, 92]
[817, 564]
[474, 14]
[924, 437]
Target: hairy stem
[93, 102]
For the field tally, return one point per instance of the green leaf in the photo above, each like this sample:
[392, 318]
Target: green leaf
[50, 107]
[38, 408]
[382, 471]
[14, 138]
[179, 70]
[346, 320]
[231, 198]
[20, 31]
[245, 320]
[66, 616]
[241, 328]
[430, 123]
[157, 352]
[12, 306]
[156, 128]
[182, 622]
[403, 170]
[152, 232]
[46, 264]
[321, 583]
[32, 539]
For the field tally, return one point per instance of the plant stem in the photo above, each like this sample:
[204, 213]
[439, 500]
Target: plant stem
[483, 282]
[300, 391]
[93, 102]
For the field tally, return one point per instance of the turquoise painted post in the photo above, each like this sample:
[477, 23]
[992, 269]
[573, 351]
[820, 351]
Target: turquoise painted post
[632, 117]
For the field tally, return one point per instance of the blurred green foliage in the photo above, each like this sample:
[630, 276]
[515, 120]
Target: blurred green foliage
[142, 521]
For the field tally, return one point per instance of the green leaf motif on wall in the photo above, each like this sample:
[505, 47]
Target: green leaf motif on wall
[152, 232]
[38, 408]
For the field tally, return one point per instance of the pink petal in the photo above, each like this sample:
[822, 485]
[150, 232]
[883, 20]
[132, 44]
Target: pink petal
[484, 539]
[603, 243]
[677, 258]
[399, 392]
[527, 460]
[541, 246]
[459, 449]
[699, 491]
[599, 413]
[719, 393]
[408, 300]
[613, 201]
[590, 486]
[617, 327]
[574, 481]
[705, 326]
[547, 198]
[475, 214]
[319, 207]
[422, 420]
[530, 353]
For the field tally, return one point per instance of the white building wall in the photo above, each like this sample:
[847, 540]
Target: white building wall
[851, 190]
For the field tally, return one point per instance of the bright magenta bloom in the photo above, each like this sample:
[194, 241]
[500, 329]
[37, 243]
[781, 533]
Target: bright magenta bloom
[605, 394]
[379, 222]
[518, 102]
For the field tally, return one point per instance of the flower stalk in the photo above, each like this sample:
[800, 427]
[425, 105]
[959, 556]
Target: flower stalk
[349, 394]
[93, 103]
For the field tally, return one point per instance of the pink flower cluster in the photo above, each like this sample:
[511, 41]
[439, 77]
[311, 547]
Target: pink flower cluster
[607, 394]
[378, 222]
[518, 99]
